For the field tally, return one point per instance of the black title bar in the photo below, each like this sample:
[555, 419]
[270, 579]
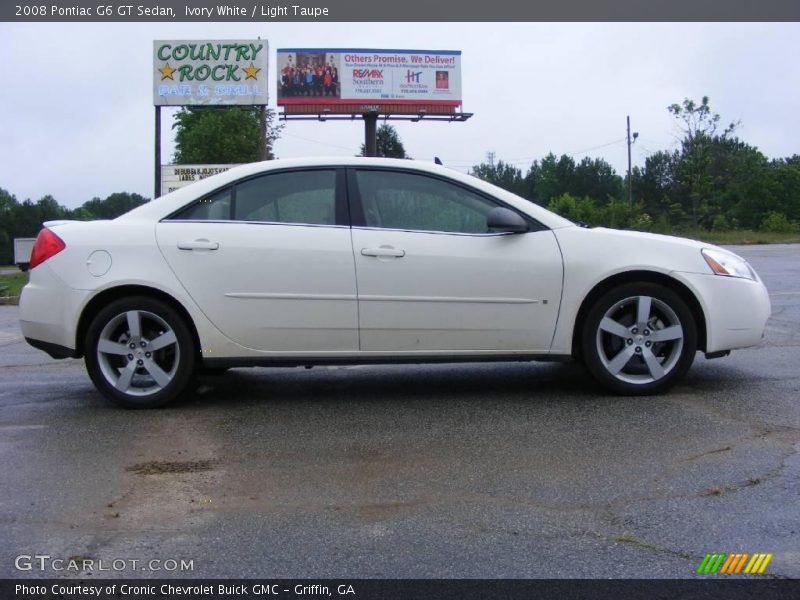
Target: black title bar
[397, 589]
[405, 10]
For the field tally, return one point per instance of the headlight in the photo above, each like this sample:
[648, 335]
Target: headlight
[729, 265]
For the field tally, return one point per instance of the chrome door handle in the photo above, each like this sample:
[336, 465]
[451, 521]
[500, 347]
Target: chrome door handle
[201, 244]
[383, 251]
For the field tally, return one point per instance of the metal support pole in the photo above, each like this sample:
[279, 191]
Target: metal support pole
[157, 187]
[262, 132]
[371, 133]
[630, 188]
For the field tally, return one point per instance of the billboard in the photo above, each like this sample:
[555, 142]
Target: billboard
[175, 177]
[210, 72]
[345, 77]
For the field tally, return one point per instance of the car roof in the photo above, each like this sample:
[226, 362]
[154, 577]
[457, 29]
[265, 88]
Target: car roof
[169, 203]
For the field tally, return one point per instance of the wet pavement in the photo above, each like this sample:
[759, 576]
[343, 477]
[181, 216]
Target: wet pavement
[479, 470]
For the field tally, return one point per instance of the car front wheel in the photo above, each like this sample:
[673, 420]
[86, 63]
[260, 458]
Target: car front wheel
[639, 338]
[139, 352]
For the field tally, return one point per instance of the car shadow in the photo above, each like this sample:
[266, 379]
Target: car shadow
[395, 383]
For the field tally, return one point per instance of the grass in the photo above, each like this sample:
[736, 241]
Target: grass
[10, 287]
[740, 236]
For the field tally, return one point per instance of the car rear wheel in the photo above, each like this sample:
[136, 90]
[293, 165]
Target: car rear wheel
[139, 352]
[639, 338]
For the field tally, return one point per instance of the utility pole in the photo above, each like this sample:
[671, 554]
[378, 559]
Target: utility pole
[630, 180]
[490, 157]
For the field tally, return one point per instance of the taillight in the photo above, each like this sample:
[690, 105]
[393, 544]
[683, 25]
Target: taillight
[47, 244]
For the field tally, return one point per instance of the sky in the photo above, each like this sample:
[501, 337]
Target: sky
[76, 114]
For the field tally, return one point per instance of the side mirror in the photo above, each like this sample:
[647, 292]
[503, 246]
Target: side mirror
[503, 220]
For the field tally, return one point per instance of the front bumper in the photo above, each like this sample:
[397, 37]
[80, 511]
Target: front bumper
[736, 309]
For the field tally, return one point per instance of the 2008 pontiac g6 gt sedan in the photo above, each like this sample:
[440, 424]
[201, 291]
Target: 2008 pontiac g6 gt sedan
[330, 261]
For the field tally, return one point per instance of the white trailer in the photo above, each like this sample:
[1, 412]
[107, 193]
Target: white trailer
[22, 252]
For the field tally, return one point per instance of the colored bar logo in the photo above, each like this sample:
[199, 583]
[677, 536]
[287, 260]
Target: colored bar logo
[729, 564]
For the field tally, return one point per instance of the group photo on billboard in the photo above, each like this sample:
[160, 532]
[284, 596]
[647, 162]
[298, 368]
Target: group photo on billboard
[346, 76]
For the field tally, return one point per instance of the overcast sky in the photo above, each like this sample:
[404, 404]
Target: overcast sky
[77, 116]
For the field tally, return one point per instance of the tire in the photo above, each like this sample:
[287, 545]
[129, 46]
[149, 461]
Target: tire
[160, 365]
[639, 339]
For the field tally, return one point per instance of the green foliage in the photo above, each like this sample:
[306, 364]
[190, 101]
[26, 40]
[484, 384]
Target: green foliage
[713, 182]
[616, 213]
[720, 223]
[741, 236]
[642, 222]
[698, 119]
[110, 208]
[777, 222]
[389, 144]
[11, 285]
[504, 175]
[579, 210]
[702, 152]
[222, 135]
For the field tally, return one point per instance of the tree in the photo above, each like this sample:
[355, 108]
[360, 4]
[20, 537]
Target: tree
[549, 178]
[699, 131]
[698, 120]
[503, 175]
[656, 187]
[224, 135]
[389, 144]
[7, 204]
[113, 206]
[596, 179]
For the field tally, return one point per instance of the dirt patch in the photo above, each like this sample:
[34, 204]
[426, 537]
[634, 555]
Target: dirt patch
[157, 467]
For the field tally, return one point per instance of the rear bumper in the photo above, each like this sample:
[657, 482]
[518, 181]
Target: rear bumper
[48, 312]
[54, 350]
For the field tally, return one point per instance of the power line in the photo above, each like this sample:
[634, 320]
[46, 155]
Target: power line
[300, 137]
[527, 159]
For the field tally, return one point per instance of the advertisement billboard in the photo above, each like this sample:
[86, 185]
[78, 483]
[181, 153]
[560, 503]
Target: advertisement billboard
[345, 77]
[210, 72]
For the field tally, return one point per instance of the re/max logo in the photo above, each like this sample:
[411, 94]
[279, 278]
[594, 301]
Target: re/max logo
[370, 73]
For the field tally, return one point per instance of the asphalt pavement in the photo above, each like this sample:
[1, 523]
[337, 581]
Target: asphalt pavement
[476, 470]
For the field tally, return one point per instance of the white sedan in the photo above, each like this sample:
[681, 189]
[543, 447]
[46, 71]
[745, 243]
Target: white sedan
[353, 260]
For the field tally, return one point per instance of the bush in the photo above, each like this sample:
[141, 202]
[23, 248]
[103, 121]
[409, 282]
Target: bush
[575, 209]
[777, 222]
[642, 222]
[720, 223]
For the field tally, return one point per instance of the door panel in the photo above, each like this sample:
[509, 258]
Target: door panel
[457, 292]
[269, 287]
[269, 260]
[431, 277]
